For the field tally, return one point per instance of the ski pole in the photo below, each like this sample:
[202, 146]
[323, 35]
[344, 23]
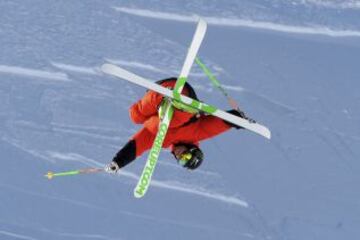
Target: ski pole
[217, 84]
[50, 174]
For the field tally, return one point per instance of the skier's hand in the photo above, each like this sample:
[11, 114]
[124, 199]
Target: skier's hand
[239, 114]
[112, 168]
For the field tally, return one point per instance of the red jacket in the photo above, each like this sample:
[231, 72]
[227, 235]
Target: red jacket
[145, 112]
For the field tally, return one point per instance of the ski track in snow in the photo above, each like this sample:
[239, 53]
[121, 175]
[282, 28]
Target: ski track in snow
[74, 157]
[85, 235]
[202, 193]
[340, 5]
[175, 187]
[90, 128]
[315, 30]
[26, 150]
[136, 65]
[77, 69]
[87, 134]
[186, 225]
[152, 68]
[45, 230]
[16, 236]
[108, 134]
[47, 196]
[34, 73]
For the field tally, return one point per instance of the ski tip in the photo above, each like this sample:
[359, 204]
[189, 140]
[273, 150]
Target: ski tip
[137, 195]
[105, 67]
[139, 191]
[265, 132]
[49, 175]
[268, 136]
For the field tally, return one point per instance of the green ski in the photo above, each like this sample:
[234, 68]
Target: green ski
[165, 119]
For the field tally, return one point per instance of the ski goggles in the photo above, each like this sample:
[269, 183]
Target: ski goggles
[184, 158]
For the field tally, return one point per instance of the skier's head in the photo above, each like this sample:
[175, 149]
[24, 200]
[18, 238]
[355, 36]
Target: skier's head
[188, 155]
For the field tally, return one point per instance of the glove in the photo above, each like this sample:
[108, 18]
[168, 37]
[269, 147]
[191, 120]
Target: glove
[112, 168]
[239, 114]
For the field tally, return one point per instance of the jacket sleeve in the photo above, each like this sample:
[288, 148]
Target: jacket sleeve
[136, 146]
[126, 155]
[144, 140]
[146, 107]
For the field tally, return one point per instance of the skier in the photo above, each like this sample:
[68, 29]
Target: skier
[187, 128]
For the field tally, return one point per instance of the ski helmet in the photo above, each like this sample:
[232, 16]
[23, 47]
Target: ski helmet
[191, 158]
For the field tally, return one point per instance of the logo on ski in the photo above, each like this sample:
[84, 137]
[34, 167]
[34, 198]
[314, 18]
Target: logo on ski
[151, 163]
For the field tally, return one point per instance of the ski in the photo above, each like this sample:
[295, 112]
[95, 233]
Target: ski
[145, 179]
[131, 77]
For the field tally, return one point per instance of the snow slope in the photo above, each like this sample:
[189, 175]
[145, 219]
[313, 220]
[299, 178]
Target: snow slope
[293, 65]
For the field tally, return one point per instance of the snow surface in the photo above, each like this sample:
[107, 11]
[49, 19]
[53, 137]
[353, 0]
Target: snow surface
[292, 65]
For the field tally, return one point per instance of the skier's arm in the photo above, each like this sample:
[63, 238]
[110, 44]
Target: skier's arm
[139, 143]
[146, 107]
[126, 155]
